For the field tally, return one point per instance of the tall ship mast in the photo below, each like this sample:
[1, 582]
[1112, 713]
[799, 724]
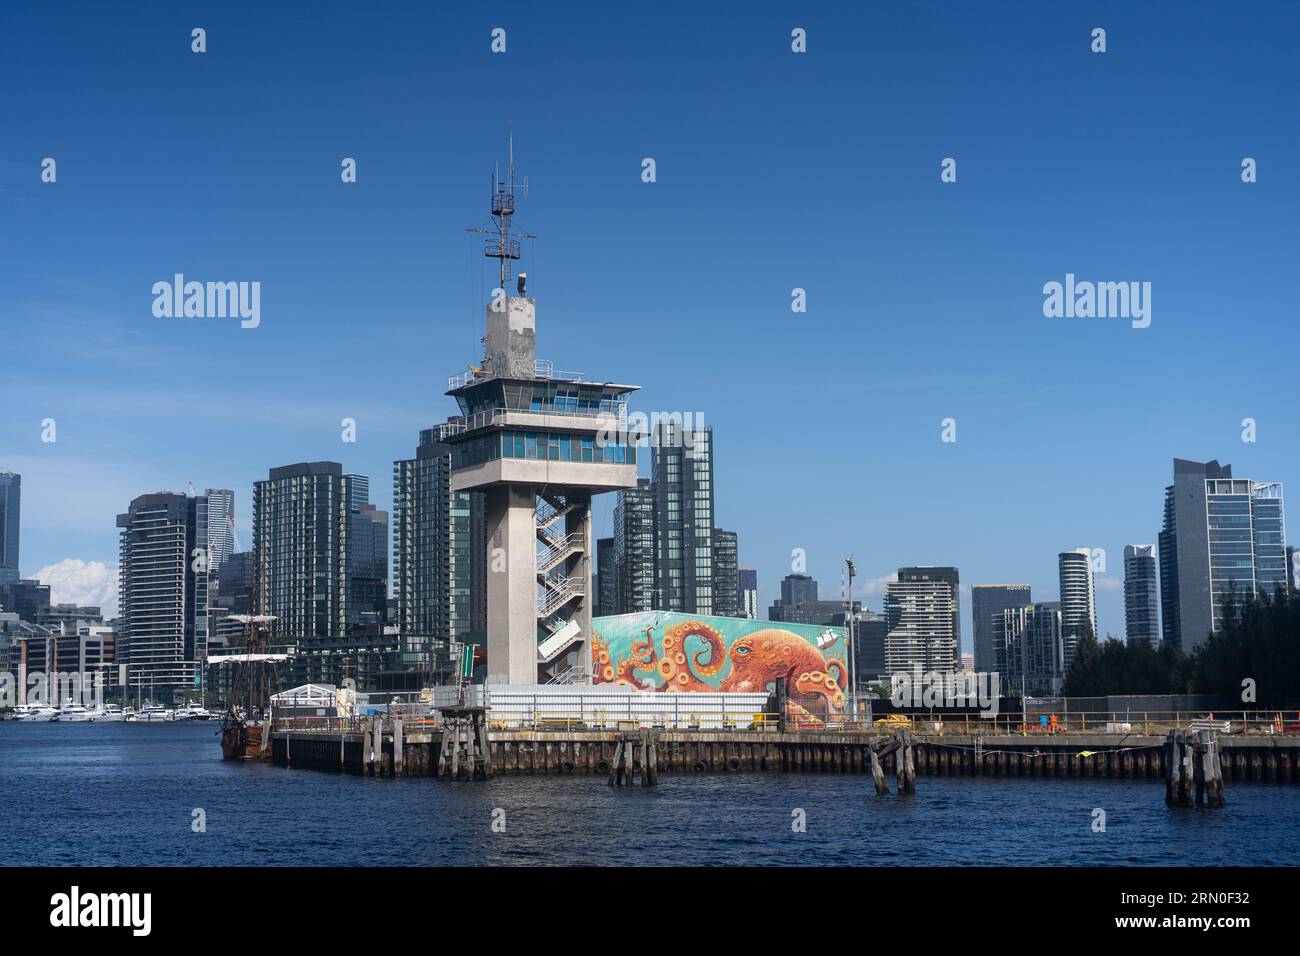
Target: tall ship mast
[246, 723]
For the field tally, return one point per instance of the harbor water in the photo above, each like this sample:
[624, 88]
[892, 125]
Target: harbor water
[159, 794]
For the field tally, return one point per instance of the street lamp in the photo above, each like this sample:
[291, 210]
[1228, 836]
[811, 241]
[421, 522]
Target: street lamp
[853, 639]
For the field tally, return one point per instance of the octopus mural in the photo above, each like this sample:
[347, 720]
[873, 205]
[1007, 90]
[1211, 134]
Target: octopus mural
[750, 660]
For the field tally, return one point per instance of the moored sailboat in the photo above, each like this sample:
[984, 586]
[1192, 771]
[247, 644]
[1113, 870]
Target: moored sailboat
[246, 724]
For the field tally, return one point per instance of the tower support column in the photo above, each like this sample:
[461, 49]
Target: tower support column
[511, 585]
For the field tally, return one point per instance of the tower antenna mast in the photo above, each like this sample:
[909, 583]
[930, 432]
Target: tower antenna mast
[503, 241]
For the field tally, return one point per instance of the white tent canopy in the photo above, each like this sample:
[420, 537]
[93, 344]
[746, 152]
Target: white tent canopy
[307, 695]
[246, 658]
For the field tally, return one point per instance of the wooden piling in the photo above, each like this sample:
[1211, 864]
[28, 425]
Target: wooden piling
[904, 761]
[397, 748]
[877, 774]
[485, 753]
[1213, 770]
[616, 765]
[1199, 745]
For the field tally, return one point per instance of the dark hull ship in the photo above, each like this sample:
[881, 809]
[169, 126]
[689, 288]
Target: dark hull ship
[245, 740]
[246, 723]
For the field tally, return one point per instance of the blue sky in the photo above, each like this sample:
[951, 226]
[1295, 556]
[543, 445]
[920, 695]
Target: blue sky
[775, 170]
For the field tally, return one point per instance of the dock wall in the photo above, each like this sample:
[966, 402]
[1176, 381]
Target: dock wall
[1248, 758]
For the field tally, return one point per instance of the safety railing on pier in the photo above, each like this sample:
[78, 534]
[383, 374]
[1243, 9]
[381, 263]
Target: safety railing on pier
[539, 719]
[1146, 723]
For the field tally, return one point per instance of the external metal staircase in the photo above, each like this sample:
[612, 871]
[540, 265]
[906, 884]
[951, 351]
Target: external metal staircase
[557, 550]
[559, 591]
[550, 510]
[560, 641]
[558, 586]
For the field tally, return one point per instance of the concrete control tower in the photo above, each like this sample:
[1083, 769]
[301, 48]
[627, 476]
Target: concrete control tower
[538, 444]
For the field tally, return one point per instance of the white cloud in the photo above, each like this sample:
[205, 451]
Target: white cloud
[874, 587]
[73, 581]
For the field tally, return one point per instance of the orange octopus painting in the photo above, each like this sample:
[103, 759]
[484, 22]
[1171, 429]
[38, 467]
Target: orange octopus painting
[752, 661]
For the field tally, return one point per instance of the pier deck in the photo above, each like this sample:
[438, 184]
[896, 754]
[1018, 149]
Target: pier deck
[1257, 757]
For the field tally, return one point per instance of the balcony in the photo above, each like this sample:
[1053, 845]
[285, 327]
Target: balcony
[609, 415]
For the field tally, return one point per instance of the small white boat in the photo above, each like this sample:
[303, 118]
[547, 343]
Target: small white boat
[193, 710]
[110, 714]
[37, 713]
[153, 713]
[72, 713]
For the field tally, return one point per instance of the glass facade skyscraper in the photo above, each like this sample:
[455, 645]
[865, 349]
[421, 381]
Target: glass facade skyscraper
[1029, 651]
[747, 583]
[368, 555]
[1247, 541]
[634, 549]
[606, 578]
[11, 492]
[987, 602]
[798, 588]
[726, 573]
[1141, 601]
[439, 555]
[1221, 535]
[221, 526]
[683, 485]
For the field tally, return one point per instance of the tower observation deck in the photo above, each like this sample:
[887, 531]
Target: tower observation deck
[538, 444]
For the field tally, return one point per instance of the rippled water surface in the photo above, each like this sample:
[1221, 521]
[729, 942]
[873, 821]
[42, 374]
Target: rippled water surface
[124, 794]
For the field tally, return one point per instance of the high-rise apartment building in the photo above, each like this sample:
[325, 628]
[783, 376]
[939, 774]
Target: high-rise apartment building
[1078, 599]
[1141, 601]
[230, 591]
[869, 651]
[726, 574]
[747, 585]
[606, 578]
[987, 602]
[1221, 536]
[302, 537]
[221, 526]
[922, 612]
[1029, 651]
[368, 575]
[683, 485]
[163, 593]
[440, 562]
[11, 493]
[634, 549]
